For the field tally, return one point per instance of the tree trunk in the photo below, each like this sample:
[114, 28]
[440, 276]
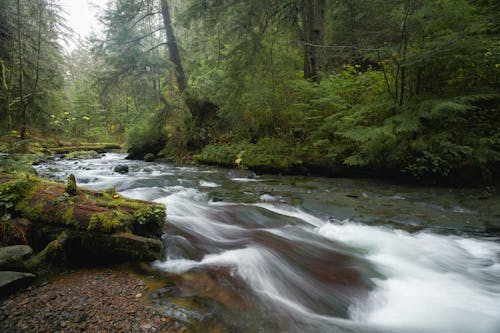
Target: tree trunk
[173, 50]
[313, 17]
[21, 71]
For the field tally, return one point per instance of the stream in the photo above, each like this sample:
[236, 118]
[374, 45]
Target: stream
[277, 253]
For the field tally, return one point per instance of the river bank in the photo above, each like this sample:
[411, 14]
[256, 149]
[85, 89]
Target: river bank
[87, 300]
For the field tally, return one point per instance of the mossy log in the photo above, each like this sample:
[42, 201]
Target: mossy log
[113, 226]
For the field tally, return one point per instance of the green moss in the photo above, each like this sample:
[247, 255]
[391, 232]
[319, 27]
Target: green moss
[110, 222]
[150, 221]
[53, 252]
[81, 154]
[16, 189]
[267, 155]
[223, 155]
[30, 211]
[153, 213]
[71, 188]
[67, 217]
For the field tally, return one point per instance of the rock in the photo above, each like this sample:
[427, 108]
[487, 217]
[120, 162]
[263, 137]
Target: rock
[149, 157]
[13, 257]
[239, 173]
[12, 281]
[123, 169]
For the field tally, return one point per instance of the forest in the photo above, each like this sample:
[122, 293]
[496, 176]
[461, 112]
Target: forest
[399, 89]
[250, 166]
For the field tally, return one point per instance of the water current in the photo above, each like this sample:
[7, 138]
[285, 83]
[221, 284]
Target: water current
[310, 254]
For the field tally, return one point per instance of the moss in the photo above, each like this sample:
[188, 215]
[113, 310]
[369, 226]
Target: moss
[71, 188]
[17, 188]
[110, 222]
[30, 211]
[53, 252]
[267, 155]
[150, 221]
[67, 216]
[223, 155]
[81, 154]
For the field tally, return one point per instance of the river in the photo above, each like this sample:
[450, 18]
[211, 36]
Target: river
[308, 254]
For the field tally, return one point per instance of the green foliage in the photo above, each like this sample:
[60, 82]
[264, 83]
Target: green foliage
[224, 155]
[407, 87]
[11, 192]
[143, 138]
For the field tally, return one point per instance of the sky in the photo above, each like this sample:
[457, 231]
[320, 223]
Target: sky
[82, 18]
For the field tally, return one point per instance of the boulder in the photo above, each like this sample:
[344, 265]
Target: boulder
[123, 169]
[149, 157]
[12, 281]
[13, 257]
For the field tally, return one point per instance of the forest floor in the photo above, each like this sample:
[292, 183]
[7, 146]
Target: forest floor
[87, 300]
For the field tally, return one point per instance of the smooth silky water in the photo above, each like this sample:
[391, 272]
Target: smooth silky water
[310, 254]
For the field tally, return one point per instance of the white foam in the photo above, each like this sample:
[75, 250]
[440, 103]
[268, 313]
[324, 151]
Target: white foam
[267, 197]
[432, 283]
[292, 212]
[208, 184]
[246, 180]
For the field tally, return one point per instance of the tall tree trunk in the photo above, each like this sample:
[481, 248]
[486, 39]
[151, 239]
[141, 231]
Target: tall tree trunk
[313, 18]
[21, 71]
[173, 50]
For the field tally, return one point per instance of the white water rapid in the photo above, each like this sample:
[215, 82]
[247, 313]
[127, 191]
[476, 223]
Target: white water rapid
[314, 259]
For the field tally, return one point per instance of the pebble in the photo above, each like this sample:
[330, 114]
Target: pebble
[87, 300]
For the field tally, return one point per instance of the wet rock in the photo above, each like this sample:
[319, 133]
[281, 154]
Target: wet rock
[12, 281]
[149, 157]
[13, 257]
[178, 247]
[239, 173]
[123, 169]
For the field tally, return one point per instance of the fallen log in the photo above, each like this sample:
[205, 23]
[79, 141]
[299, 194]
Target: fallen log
[76, 224]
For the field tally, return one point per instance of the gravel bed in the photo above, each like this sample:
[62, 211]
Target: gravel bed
[86, 301]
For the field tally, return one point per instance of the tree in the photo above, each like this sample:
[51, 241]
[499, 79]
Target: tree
[30, 57]
[313, 18]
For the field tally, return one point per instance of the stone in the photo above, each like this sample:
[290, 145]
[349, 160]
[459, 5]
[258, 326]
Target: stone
[149, 157]
[11, 281]
[123, 169]
[13, 257]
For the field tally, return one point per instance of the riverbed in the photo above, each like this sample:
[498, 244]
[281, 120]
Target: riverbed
[274, 253]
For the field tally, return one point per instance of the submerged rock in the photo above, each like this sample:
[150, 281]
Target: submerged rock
[123, 169]
[12, 281]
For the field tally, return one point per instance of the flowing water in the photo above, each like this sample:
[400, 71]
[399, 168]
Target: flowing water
[310, 254]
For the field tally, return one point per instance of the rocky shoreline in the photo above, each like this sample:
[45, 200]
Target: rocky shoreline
[86, 300]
